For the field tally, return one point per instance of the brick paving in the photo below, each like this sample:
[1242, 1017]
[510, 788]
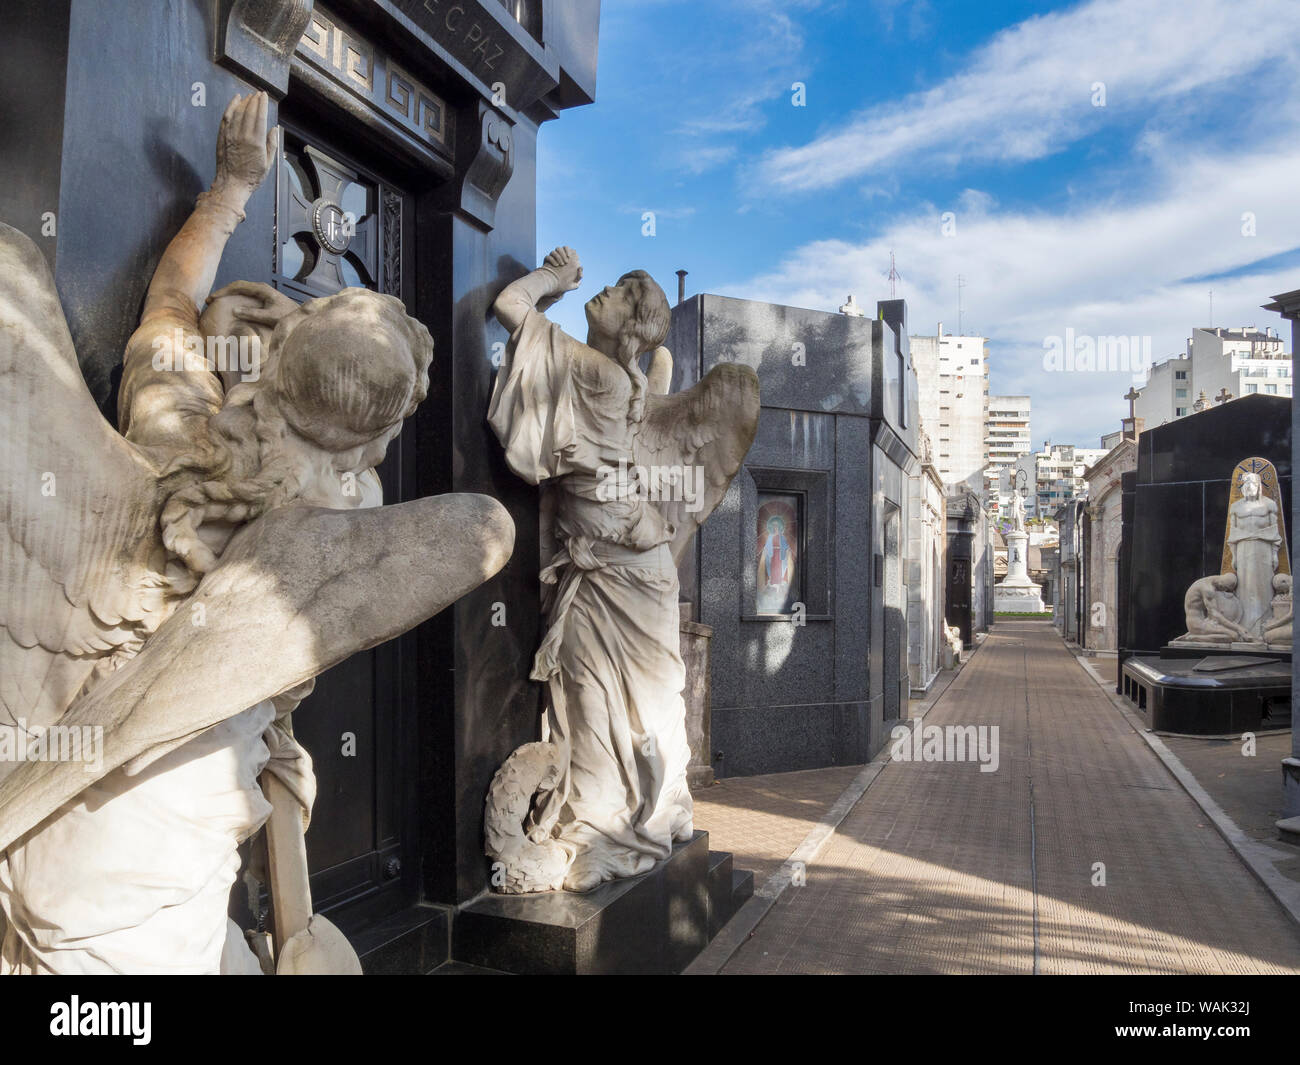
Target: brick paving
[761, 820]
[940, 868]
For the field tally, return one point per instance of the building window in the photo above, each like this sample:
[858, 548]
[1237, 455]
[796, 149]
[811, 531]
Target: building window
[1271, 389]
[1180, 412]
[1180, 393]
[1180, 375]
[1251, 388]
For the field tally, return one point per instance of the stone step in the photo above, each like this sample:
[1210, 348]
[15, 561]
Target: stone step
[729, 888]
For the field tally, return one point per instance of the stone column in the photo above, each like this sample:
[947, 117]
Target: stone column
[695, 638]
[1288, 306]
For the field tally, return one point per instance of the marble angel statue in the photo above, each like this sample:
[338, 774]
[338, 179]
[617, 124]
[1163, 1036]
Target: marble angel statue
[631, 473]
[174, 589]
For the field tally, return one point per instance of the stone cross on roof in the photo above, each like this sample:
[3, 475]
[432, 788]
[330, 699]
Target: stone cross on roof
[1132, 396]
[1223, 396]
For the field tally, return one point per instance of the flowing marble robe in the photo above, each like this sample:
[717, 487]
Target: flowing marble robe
[611, 655]
[1255, 539]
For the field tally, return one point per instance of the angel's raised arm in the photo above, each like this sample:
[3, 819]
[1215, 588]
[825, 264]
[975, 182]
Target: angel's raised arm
[163, 391]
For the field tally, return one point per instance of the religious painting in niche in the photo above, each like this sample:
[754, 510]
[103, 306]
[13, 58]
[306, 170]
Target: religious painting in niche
[779, 552]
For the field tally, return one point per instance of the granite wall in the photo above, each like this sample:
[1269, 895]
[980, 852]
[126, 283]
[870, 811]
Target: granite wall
[837, 427]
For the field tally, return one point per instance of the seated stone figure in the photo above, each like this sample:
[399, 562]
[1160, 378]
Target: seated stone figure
[1277, 626]
[1213, 611]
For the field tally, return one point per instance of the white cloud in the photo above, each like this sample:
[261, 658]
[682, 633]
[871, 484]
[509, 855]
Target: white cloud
[1029, 91]
[1101, 270]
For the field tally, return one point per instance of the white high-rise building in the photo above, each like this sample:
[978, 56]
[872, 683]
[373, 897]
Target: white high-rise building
[952, 374]
[1006, 438]
[1241, 362]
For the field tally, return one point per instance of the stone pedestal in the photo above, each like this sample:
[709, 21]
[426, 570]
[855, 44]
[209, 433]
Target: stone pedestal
[1016, 593]
[654, 923]
[695, 654]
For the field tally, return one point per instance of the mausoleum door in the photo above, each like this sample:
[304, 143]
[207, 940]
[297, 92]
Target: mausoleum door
[341, 222]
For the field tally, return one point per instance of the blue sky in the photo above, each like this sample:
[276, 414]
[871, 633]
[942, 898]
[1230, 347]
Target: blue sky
[1107, 220]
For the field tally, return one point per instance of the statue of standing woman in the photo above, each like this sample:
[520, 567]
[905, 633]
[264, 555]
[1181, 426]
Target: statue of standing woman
[1254, 540]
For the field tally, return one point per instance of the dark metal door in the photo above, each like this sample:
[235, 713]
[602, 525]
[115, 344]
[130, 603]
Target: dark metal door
[339, 223]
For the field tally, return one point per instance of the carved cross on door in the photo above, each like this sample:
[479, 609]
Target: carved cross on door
[329, 232]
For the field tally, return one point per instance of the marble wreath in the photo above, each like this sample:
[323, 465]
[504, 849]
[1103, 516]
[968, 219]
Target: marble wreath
[1249, 600]
[630, 473]
[174, 589]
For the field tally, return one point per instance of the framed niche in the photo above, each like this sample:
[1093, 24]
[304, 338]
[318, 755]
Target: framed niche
[784, 545]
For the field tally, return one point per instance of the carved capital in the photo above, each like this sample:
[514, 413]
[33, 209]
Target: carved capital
[255, 38]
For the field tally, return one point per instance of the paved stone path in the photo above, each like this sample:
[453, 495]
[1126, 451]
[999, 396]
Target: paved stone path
[942, 868]
[761, 820]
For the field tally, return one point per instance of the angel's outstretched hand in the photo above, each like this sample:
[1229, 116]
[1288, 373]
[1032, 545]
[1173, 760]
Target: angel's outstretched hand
[245, 147]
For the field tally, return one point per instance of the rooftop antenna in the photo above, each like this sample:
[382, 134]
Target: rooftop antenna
[894, 278]
[961, 284]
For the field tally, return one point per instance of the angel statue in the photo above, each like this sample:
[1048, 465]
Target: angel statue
[631, 473]
[170, 592]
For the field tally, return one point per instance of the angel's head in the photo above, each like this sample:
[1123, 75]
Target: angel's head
[341, 374]
[346, 370]
[629, 318]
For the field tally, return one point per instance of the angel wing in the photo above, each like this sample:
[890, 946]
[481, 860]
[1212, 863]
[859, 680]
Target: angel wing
[703, 435]
[297, 591]
[79, 505]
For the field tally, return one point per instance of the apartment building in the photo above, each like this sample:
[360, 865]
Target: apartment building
[1218, 364]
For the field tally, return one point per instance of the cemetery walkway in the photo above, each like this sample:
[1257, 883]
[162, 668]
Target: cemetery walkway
[942, 868]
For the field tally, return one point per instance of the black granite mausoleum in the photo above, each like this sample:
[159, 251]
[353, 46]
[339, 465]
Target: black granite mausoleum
[1174, 512]
[837, 439]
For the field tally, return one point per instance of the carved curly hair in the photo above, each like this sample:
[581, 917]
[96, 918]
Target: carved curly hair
[342, 371]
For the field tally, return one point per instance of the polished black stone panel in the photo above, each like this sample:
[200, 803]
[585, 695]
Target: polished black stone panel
[1179, 509]
[415, 940]
[1175, 697]
[34, 55]
[654, 923]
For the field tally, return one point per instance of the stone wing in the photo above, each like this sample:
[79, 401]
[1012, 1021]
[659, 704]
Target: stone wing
[79, 505]
[296, 592]
[703, 434]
